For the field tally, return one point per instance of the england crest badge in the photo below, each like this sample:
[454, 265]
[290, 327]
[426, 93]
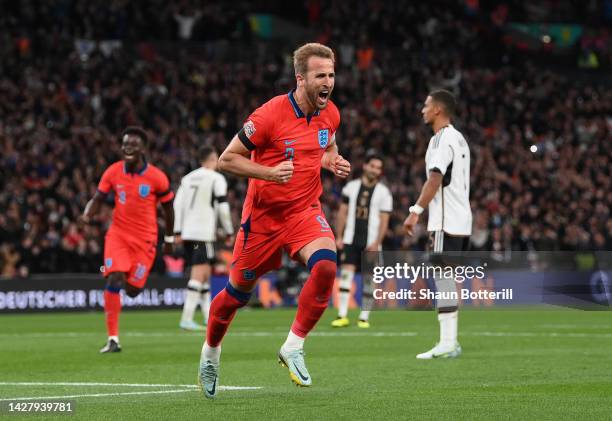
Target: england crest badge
[144, 190]
[323, 138]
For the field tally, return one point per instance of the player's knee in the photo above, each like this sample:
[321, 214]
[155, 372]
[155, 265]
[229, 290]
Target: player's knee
[326, 270]
[225, 304]
[322, 265]
[132, 291]
[115, 281]
[240, 295]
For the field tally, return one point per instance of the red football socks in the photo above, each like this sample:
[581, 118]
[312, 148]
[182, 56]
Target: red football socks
[112, 309]
[314, 297]
[222, 311]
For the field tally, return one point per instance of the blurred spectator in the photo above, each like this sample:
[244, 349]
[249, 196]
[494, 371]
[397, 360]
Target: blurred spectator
[186, 21]
[9, 258]
[540, 138]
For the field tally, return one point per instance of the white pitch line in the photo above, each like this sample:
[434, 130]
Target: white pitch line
[240, 387]
[94, 384]
[186, 388]
[48, 335]
[189, 386]
[99, 395]
[574, 326]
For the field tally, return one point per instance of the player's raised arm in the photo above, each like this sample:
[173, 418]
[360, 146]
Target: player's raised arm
[235, 160]
[334, 162]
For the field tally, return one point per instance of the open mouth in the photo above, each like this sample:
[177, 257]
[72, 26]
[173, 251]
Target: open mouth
[128, 157]
[324, 94]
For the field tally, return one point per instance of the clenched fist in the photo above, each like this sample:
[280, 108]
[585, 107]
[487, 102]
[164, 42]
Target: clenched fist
[282, 173]
[340, 166]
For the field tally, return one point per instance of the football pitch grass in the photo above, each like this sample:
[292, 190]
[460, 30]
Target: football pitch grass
[542, 364]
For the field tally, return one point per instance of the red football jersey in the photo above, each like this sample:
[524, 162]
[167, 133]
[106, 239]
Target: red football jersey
[279, 131]
[136, 197]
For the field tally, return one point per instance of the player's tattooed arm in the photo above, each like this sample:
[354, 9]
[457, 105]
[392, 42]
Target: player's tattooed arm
[92, 208]
[334, 162]
[235, 160]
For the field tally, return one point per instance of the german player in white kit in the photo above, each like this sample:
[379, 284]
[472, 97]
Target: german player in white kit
[200, 200]
[446, 194]
[361, 225]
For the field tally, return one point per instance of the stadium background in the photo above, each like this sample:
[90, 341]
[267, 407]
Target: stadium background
[74, 73]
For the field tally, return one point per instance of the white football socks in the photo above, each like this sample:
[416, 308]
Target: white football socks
[205, 300]
[346, 280]
[448, 328]
[364, 315]
[293, 342]
[210, 353]
[192, 299]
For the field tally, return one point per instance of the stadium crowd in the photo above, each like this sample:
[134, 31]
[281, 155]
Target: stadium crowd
[541, 171]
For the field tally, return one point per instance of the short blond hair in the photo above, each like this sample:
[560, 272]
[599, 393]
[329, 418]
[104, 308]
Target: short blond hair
[302, 54]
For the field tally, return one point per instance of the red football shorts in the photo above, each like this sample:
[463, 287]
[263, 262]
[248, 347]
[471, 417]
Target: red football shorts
[256, 253]
[124, 253]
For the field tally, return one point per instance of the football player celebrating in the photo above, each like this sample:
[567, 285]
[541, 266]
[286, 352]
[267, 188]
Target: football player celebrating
[131, 241]
[281, 149]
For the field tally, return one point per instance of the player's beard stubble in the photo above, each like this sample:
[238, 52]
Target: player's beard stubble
[312, 93]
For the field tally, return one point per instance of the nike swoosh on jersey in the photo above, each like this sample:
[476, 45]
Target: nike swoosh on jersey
[290, 142]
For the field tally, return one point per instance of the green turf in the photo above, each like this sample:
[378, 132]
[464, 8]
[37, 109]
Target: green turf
[516, 365]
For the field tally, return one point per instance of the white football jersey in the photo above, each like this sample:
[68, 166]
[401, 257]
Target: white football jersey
[200, 197]
[364, 207]
[449, 211]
